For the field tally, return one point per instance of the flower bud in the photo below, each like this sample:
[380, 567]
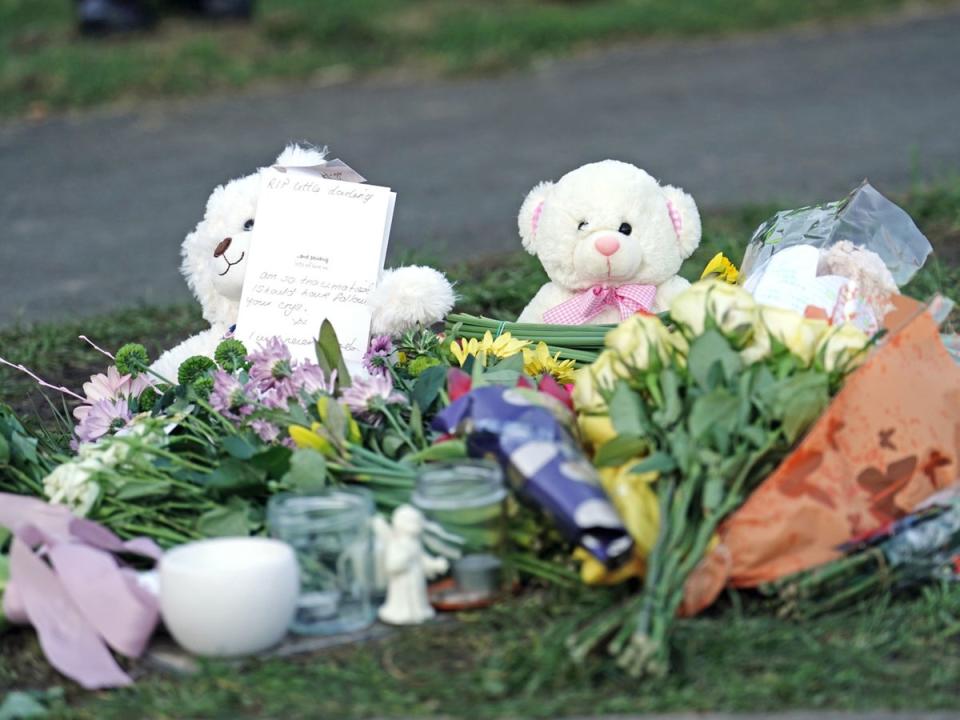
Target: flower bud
[586, 395]
[711, 303]
[792, 330]
[842, 348]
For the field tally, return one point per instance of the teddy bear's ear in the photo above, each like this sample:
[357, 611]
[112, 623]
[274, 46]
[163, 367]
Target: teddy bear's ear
[685, 218]
[529, 217]
[295, 155]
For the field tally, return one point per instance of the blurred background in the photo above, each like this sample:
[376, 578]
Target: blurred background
[118, 118]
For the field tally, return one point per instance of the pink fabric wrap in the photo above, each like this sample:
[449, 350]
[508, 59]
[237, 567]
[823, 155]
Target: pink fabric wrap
[66, 582]
[583, 307]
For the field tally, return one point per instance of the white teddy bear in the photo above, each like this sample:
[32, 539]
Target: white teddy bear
[611, 239]
[214, 265]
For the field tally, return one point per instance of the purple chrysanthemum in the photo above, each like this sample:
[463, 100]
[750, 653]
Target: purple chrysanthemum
[375, 359]
[309, 377]
[366, 394]
[229, 396]
[104, 416]
[266, 431]
[271, 364]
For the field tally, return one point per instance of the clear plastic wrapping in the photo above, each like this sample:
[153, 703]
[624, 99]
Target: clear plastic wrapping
[845, 257]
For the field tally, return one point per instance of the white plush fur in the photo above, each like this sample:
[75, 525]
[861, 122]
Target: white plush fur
[604, 195]
[406, 296]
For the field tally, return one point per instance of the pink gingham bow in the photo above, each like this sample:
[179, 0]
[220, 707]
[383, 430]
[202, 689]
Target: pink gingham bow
[582, 308]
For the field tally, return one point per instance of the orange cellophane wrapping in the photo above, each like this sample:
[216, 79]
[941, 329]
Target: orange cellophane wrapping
[890, 438]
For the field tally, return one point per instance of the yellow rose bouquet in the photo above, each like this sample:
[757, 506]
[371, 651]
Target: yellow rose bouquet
[708, 401]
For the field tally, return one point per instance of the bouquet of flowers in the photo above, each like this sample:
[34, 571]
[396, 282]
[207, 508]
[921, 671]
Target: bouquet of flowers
[709, 401]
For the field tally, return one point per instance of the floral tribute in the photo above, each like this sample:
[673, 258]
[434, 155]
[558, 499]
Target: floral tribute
[647, 455]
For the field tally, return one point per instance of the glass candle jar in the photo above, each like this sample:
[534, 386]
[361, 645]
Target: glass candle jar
[466, 498]
[331, 534]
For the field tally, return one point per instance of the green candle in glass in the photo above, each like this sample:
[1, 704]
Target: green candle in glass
[466, 498]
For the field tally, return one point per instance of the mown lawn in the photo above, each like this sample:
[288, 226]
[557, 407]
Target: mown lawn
[901, 653]
[45, 66]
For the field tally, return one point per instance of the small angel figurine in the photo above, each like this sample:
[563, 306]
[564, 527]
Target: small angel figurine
[407, 568]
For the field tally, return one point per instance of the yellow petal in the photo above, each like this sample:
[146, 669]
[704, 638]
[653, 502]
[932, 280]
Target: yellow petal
[306, 438]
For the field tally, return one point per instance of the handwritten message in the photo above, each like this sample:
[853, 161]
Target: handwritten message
[317, 253]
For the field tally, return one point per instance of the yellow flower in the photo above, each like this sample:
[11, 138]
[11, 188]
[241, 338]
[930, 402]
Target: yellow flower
[540, 362]
[729, 308]
[793, 331]
[586, 394]
[596, 430]
[721, 268]
[304, 437]
[503, 347]
[642, 343]
[842, 348]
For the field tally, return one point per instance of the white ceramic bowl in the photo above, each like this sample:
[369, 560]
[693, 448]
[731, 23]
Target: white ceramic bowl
[229, 596]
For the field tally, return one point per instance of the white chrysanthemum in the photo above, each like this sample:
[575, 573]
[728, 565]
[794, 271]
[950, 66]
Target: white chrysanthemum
[72, 484]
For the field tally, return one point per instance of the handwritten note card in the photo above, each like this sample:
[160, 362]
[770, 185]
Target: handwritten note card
[317, 252]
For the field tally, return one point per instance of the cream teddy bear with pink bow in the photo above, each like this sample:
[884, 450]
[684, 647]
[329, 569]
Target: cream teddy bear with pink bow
[611, 239]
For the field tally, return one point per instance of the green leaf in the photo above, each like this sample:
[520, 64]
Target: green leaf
[621, 449]
[235, 476]
[804, 405]
[625, 410]
[274, 461]
[139, 489]
[672, 404]
[391, 443]
[307, 473]
[715, 409]
[710, 350]
[24, 449]
[336, 423]
[659, 462]
[239, 447]
[513, 363]
[712, 493]
[227, 520]
[330, 355]
[4, 451]
[428, 386]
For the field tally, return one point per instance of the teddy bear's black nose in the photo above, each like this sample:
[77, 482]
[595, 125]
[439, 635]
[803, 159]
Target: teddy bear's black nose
[222, 247]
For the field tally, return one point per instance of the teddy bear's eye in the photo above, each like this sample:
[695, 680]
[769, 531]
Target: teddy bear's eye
[582, 225]
[625, 228]
[248, 225]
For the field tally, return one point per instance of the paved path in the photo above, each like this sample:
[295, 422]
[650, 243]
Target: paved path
[93, 208]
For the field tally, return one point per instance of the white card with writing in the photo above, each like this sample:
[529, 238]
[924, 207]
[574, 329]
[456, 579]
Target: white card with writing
[317, 252]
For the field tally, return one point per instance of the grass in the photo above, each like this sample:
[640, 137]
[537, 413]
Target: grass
[508, 661]
[45, 66]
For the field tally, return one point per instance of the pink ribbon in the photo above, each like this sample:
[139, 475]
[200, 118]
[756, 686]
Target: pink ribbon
[66, 582]
[582, 308]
